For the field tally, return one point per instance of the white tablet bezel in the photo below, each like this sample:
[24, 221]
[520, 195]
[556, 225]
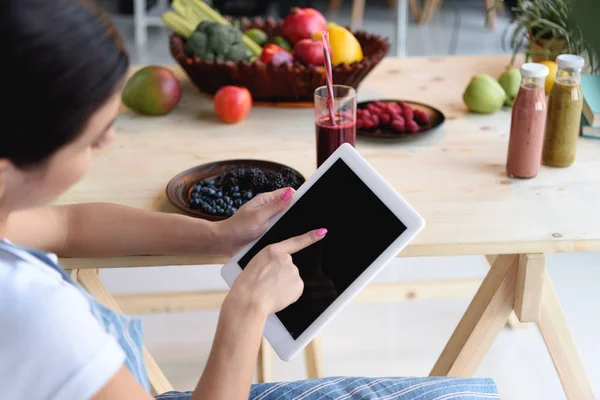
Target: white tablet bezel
[275, 332]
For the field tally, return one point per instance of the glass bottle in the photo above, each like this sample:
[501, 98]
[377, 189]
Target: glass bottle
[528, 121]
[564, 113]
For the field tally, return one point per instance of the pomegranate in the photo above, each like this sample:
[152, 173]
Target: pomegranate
[302, 23]
[309, 52]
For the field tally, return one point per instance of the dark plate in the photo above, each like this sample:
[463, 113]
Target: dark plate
[436, 119]
[180, 187]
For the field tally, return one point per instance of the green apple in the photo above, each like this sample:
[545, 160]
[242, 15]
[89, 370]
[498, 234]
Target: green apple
[484, 95]
[510, 81]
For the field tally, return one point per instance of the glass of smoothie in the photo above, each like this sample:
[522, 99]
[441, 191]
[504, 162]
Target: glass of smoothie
[332, 133]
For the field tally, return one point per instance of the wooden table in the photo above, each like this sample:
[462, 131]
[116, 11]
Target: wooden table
[454, 177]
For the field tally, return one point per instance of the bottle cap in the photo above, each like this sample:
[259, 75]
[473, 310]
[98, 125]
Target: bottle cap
[534, 70]
[570, 61]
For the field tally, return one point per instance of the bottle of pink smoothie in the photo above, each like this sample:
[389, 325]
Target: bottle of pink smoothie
[528, 123]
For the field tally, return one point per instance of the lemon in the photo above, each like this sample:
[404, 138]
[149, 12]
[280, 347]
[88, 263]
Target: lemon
[345, 49]
[551, 76]
[317, 35]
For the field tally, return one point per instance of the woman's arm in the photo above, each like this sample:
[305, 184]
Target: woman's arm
[230, 366]
[269, 283]
[107, 230]
[111, 230]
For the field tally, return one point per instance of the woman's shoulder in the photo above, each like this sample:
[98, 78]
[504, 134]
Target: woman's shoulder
[48, 322]
[26, 278]
[33, 293]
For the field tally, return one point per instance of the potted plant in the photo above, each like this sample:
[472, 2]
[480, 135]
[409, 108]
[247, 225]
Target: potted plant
[544, 29]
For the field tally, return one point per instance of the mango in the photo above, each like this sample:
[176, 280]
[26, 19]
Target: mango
[510, 81]
[152, 90]
[484, 95]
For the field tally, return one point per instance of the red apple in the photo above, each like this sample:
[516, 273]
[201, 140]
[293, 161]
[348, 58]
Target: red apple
[309, 52]
[232, 103]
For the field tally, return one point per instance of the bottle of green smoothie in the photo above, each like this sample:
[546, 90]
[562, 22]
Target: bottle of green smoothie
[564, 113]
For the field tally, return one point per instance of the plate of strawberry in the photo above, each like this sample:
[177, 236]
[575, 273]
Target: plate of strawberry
[396, 118]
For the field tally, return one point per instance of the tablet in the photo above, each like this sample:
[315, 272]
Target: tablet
[368, 224]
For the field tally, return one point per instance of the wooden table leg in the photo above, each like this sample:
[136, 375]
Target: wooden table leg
[429, 8]
[334, 7]
[560, 344]
[490, 10]
[482, 321]
[513, 321]
[415, 9]
[265, 362]
[358, 12]
[518, 283]
[313, 355]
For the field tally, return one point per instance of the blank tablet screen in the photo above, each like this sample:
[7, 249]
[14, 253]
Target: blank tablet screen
[360, 227]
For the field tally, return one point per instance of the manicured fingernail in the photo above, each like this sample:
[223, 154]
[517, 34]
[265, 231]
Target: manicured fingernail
[287, 194]
[321, 232]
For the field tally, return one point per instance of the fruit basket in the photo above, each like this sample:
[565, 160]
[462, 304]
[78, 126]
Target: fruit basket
[283, 83]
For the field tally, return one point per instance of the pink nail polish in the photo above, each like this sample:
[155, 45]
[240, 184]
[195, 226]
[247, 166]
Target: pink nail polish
[287, 194]
[321, 232]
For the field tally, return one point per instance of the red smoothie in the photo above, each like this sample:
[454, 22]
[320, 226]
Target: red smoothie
[527, 127]
[330, 137]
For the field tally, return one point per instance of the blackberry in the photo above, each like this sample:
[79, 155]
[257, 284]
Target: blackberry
[229, 180]
[277, 182]
[260, 183]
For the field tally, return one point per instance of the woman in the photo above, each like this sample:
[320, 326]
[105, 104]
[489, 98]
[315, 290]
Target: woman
[64, 67]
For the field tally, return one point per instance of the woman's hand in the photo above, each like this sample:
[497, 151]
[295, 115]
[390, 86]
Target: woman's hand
[270, 282]
[251, 221]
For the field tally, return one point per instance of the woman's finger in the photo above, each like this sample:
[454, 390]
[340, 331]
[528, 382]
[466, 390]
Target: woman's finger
[297, 243]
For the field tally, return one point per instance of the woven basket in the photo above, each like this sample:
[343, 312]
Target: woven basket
[284, 83]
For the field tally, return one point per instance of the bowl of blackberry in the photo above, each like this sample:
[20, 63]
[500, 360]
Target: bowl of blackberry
[216, 191]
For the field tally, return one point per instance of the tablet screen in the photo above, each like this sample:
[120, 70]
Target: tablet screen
[360, 227]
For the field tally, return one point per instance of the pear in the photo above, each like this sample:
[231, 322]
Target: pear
[510, 81]
[484, 95]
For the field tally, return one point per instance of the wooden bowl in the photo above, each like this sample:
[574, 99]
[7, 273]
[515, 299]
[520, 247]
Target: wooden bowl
[179, 188]
[436, 118]
[284, 83]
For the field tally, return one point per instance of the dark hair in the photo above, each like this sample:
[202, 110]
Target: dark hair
[61, 60]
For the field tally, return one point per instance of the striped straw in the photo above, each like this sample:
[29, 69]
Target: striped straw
[328, 76]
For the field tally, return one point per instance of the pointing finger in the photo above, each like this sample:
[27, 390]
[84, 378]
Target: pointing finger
[297, 243]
